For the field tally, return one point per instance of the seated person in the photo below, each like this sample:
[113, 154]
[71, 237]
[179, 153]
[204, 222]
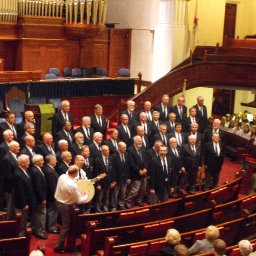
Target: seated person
[172, 238]
[219, 247]
[205, 245]
[246, 132]
[181, 250]
[238, 129]
[245, 247]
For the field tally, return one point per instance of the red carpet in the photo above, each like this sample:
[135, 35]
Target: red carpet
[228, 174]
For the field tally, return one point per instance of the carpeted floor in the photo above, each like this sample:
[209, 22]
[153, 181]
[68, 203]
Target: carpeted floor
[228, 174]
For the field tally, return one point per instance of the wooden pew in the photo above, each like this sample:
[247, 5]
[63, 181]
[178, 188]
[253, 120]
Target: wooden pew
[235, 209]
[113, 248]
[152, 212]
[95, 237]
[10, 228]
[17, 246]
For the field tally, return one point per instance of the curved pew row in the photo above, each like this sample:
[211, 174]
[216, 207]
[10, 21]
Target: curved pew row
[188, 204]
[229, 232]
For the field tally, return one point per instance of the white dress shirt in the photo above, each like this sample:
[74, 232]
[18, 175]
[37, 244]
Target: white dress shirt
[67, 191]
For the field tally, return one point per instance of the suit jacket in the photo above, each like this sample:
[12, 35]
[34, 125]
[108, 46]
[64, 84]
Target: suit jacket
[123, 136]
[100, 167]
[203, 119]
[199, 138]
[191, 161]
[61, 135]
[23, 190]
[4, 126]
[58, 121]
[147, 143]
[4, 148]
[209, 133]
[87, 140]
[43, 150]
[187, 124]
[149, 127]
[159, 137]
[180, 118]
[75, 149]
[9, 165]
[160, 110]
[168, 250]
[94, 152]
[21, 131]
[62, 168]
[132, 119]
[146, 114]
[183, 137]
[211, 159]
[170, 129]
[136, 163]
[96, 127]
[110, 144]
[27, 152]
[51, 177]
[120, 168]
[159, 179]
[39, 184]
[89, 169]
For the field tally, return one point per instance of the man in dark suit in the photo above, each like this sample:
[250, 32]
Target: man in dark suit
[66, 134]
[51, 177]
[29, 148]
[95, 147]
[4, 148]
[29, 129]
[9, 165]
[177, 176]
[106, 186]
[46, 147]
[148, 110]
[199, 136]
[154, 151]
[24, 199]
[38, 221]
[61, 116]
[9, 124]
[121, 167]
[86, 130]
[133, 116]
[125, 130]
[191, 119]
[215, 129]
[88, 162]
[99, 121]
[160, 179]
[62, 147]
[164, 108]
[140, 131]
[171, 122]
[213, 160]
[162, 135]
[179, 135]
[138, 173]
[143, 121]
[63, 165]
[112, 143]
[77, 144]
[192, 160]
[180, 110]
[155, 125]
[201, 114]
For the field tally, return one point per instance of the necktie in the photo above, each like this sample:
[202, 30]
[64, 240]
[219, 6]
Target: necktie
[216, 149]
[193, 120]
[51, 150]
[88, 132]
[193, 150]
[144, 142]
[176, 152]
[180, 139]
[157, 125]
[106, 163]
[69, 137]
[115, 144]
[122, 158]
[99, 121]
[66, 116]
[14, 131]
[87, 162]
[145, 128]
[149, 116]
[164, 166]
[127, 131]
[202, 111]
[26, 174]
[165, 112]
[140, 154]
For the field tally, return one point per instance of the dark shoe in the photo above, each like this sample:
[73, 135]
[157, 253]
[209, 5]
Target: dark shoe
[60, 250]
[41, 236]
[53, 231]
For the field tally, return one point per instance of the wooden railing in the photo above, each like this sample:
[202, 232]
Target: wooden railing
[199, 74]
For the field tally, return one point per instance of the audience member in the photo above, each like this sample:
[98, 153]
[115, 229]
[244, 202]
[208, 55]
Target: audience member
[219, 247]
[181, 250]
[245, 247]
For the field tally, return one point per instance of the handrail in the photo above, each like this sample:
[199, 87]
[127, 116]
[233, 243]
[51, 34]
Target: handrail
[199, 74]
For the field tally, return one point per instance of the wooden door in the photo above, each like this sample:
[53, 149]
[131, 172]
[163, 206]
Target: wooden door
[230, 21]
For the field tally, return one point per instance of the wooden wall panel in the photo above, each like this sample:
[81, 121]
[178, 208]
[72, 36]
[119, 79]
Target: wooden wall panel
[119, 50]
[8, 54]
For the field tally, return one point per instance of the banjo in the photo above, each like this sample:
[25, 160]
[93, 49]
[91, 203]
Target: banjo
[86, 187]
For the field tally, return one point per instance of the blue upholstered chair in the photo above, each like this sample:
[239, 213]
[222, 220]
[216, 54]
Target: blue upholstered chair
[67, 72]
[17, 106]
[101, 72]
[124, 72]
[50, 76]
[88, 72]
[54, 71]
[56, 102]
[76, 72]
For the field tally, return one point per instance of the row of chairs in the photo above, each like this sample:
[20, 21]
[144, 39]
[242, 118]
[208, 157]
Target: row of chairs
[230, 232]
[10, 242]
[166, 210]
[68, 72]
